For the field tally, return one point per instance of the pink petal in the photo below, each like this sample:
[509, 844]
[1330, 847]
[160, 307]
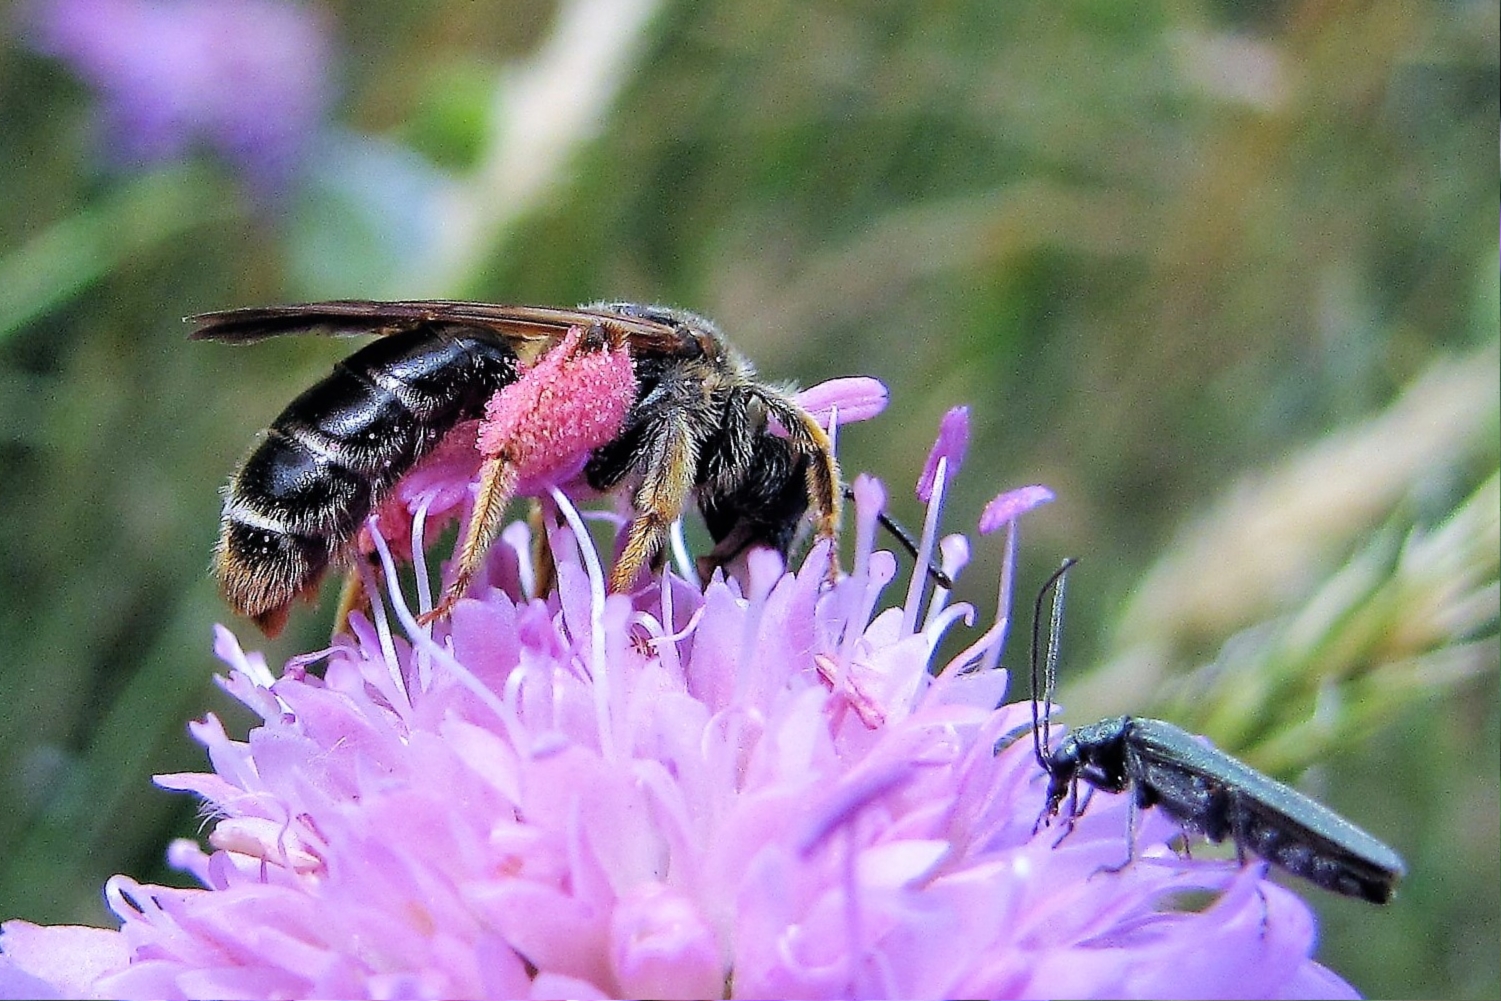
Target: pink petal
[661, 947]
[68, 958]
[858, 398]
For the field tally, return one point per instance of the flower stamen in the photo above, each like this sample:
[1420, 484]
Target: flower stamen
[598, 670]
[917, 585]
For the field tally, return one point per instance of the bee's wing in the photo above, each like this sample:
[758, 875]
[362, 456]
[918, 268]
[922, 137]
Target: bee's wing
[347, 317]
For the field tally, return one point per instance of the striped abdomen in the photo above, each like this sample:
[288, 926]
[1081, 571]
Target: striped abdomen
[336, 451]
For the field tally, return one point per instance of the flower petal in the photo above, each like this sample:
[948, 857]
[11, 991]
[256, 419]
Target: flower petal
[62, 961]
[857, 398]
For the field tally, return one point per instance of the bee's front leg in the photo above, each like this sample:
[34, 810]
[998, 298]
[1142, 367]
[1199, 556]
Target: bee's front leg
[824, 493]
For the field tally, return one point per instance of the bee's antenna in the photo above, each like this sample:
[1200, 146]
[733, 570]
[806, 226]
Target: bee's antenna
[904, 538]
[1041, 725]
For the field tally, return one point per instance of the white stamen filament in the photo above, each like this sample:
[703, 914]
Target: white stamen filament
[597, 668]
[1003, 600]
[419, 556]
[518, 536]
[919, 579]
[680, 555]
[399, 695]
[955, 550]
[667, 651]
[861, 595]
[420, 638]
[424, 588]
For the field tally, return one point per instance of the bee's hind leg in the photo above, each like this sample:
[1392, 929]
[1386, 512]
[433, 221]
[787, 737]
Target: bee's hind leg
[352, 598]
[497, 484]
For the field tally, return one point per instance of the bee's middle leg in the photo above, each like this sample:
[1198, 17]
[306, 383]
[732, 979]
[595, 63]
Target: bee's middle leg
[659, 500]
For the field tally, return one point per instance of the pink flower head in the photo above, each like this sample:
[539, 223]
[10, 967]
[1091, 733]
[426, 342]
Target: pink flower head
[775, 791]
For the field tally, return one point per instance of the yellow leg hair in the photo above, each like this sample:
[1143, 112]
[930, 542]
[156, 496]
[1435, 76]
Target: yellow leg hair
[496, 486]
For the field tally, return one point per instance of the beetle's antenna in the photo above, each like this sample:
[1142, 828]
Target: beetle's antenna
[1041, 725]
[904, 539]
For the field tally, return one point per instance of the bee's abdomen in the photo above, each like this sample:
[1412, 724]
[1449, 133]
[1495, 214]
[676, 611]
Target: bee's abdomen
[338, 448]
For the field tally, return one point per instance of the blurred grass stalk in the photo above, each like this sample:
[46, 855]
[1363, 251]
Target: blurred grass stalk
[1413, 611]
[127, 221]
[96, 800]
[547, 108]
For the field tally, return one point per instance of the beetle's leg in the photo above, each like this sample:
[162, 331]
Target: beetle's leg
[1076, 810]
[1240, 835]
[1132, 809]
[1238, 832]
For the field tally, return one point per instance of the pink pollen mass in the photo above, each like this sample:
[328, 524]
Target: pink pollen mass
[569, 403]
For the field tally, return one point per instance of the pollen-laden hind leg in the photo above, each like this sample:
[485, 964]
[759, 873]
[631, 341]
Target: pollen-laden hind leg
[822, 472]
[497, 485]
[670, 467]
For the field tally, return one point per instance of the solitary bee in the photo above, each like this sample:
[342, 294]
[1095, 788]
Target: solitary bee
[695, 420]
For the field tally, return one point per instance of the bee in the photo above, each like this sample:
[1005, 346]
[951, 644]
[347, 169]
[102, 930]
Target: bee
[698, 423]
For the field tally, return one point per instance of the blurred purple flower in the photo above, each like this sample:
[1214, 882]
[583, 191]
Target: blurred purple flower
[245, 77]
[767, 790]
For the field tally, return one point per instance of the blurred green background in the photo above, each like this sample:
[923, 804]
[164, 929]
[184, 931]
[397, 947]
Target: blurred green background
[1222, 274]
